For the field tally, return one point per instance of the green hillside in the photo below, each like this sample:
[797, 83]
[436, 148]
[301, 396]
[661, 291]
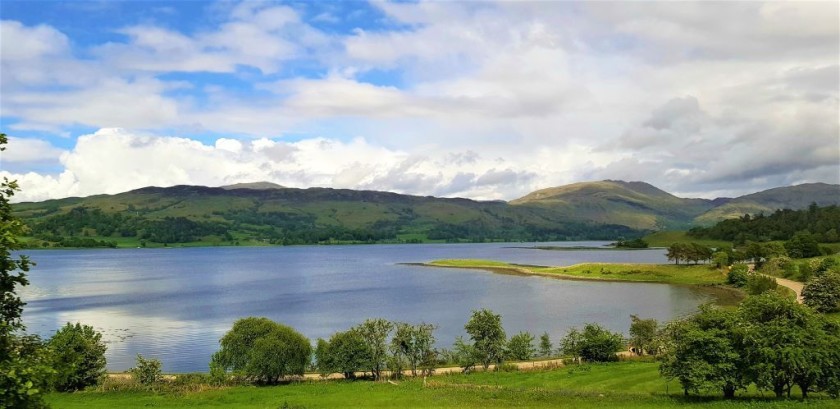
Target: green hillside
[265, 213]
[634, 204]
[203, 215]
[768, 201]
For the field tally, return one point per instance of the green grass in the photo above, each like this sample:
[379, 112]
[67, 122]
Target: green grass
[632, 384]
[667, 238]
[658, 273]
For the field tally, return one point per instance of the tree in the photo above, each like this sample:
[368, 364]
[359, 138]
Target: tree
[784, 343]
[488, 336]
[677, 252]
[78, 357]
[703, 352]
[721, 259]
[643, 335]
[803, 245]
[823, 293]
[263, 350]
[24, 362]
[594, 344]
[465, 354]
[375, 334]
[737, 275]
[545, 345]
[415, 343]
[521, 347]
[345, 353]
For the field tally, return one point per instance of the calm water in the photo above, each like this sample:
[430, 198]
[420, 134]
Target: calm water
[175, 304]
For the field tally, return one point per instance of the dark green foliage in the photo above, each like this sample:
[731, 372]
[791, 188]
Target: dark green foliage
[546, 348]
[704, 352]
[786, 344]
[375, 334]
[78, 357]
[520, 347]
[147, 371]
[262, 350]
[24, 363]
[415, 343]
[643, 334]
[821, 222]
[737, 275]
[827, 264]
[488, 336]
[632, 244]
[823, 293]
[593, 344]
[345, 353]
[803, 245]
[758, 284]
[689, 252]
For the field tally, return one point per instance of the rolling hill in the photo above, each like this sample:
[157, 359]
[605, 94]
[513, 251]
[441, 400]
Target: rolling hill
[268, 213]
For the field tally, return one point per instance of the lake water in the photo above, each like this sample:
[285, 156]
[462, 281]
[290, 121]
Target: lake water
[175, 304]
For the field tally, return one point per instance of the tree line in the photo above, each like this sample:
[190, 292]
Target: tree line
[821, 223]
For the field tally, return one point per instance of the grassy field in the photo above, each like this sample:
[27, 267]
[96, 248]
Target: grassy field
[632, 384]
[658, 273]
[667, 238]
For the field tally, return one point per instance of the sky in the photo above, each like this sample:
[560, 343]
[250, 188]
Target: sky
[477, 99]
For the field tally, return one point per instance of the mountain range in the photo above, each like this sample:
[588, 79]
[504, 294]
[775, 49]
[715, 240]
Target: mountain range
[272, 213]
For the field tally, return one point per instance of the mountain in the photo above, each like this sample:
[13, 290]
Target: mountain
[185, 214]
[768, 201]
[268, 213]
[634, 204]
[253, 185]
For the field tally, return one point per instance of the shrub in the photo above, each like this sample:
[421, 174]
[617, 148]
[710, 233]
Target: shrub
[823, 293]
[78, 357]
[737, 275]
[521, 347]
[758, 284]
[148, 371]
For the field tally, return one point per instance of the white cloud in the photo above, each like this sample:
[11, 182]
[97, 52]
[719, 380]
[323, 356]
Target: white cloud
[29, 150]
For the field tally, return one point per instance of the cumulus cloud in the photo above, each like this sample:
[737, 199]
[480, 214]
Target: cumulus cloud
[488, 100]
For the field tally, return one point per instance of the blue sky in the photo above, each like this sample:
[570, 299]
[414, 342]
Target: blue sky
[487, 100]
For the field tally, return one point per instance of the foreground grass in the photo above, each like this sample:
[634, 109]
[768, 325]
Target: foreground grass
[655, 273]
[630, 384]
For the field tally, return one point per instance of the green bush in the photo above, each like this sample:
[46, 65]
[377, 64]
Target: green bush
[737, 275]
[78, 357]
[148, 371]
[759, 284]
[823, 293]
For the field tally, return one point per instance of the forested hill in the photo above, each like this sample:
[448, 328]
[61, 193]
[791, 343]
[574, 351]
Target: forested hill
[273, 214]
[821, 224]
[184, 214]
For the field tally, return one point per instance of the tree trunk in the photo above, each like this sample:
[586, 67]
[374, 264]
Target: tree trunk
[779, 390]
[729, 391]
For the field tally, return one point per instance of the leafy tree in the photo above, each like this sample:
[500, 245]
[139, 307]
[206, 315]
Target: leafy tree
[488, 336]
[703, 352]
[784, 343]
[721, 259]
[823, 293]
[263, 350]
[375, 334]
[415, 343]
[24, 363]
[827, 264]
[594, 343]
[803, 245]
[465, 354]
[737, 275]
[643, 334]
[571, 344]
[147, 371]
[78, 357]
[521, 347]
[545, 345]
[345, 353]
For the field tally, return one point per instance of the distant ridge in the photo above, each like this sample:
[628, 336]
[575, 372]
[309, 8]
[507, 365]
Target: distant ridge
[253, 185]
[768, 201]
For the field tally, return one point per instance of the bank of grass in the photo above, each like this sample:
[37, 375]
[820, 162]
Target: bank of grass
[631, 384]
[667, 238]
[702, 274]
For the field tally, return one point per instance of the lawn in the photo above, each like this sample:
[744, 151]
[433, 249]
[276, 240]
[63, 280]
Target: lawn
[632, 384]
